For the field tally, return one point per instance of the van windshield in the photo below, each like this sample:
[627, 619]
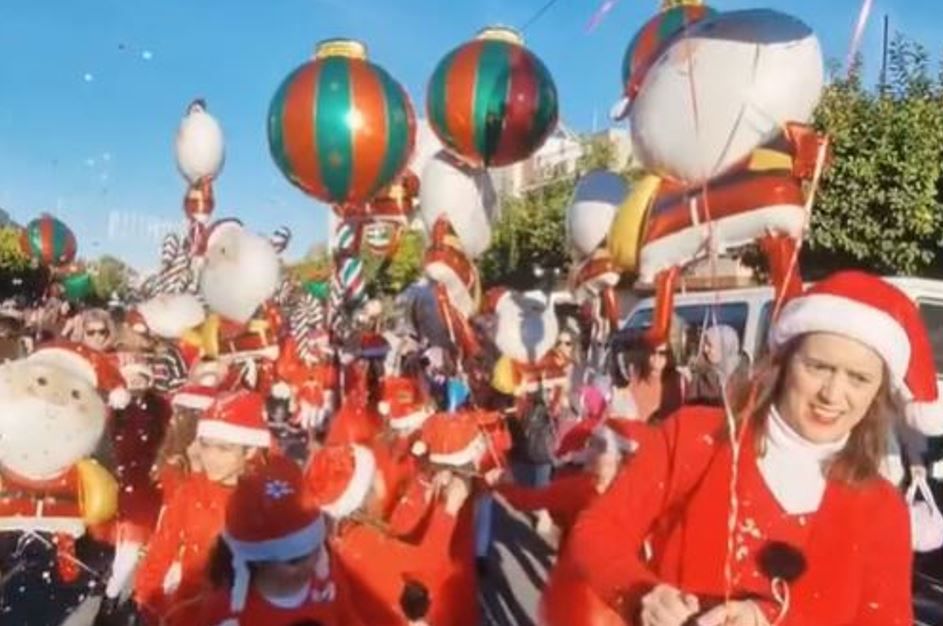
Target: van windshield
[932, 313]
[693, 319]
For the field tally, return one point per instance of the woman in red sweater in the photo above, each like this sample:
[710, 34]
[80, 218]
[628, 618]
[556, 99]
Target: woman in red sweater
[814, 535]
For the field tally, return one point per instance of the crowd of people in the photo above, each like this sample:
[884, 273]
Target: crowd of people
[719, 491]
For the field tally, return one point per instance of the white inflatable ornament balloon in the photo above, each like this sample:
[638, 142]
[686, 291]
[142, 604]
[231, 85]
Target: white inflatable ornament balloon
[726, 88]
[465, 195]
[199, 146]
[590, 213]
[527, 326]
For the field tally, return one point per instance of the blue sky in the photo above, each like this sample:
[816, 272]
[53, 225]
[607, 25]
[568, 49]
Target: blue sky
[91, 91]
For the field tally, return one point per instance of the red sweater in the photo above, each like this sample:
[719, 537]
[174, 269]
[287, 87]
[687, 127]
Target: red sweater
[186, 533]
[564, 498]
[856, 546]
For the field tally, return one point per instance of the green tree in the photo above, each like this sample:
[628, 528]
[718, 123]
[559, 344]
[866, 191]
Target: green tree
[12, 257]
[391, 276]
[109, 275]
[879, 205]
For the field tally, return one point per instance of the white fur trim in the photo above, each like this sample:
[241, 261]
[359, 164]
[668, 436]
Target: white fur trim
[469, 454]
[119, 398]
[192, 401]
[295, 545]
[68, 360]
[383, 407]
[281, 390]
[365, 468]
[826, 313]
[231, 433]
[72, 526]
[419, 448]
[926, 417]
[459, 294]
[410, 421]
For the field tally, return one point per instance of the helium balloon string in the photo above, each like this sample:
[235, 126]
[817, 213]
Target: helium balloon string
[539, 14]
[863, 14]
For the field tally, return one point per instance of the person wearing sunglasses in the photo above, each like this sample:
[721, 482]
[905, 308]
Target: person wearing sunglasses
[647, 386]
[97, 330]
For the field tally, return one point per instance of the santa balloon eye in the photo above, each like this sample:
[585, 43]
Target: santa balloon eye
[75, 394]
[41, 381]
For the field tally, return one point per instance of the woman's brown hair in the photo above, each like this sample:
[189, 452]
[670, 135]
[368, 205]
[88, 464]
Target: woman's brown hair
[860, 460]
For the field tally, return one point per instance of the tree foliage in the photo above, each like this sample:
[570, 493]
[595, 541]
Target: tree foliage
[12, 257]
[109, 276]
[393, 275]
[879, 205]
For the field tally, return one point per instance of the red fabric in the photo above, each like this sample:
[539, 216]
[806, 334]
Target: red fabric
[569, 601]
[857, 545]
[354, 422]
[338, 612]
[186, 532]
[564, 498]
[377, 564]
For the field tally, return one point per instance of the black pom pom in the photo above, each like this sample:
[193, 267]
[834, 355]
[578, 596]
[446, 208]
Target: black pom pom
[414, 601]
[781, 560]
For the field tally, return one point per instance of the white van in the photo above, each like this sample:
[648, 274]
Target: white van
[748, 311]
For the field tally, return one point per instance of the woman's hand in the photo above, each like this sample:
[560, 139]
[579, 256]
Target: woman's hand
[496, 477]
[734, 614]
[666, 606]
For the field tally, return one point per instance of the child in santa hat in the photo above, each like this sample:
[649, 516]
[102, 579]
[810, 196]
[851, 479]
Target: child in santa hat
[230, 435]
[813, 533]
[272, 564]
[350, 489]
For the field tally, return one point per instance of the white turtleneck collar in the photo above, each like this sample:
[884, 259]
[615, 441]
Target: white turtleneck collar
[793, 467]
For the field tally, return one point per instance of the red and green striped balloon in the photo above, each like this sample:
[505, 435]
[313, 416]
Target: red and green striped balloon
[49, 241]
[491, 101]
[654, 38]
[340, 127]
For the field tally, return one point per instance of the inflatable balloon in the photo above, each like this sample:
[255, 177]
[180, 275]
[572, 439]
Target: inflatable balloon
[491, 100]
[199, 146]
[340, 128]
[463, 194]
[320, 289]
[727, 87]
[590, 213]
[654, 38]
[77, 286]
[49, 241]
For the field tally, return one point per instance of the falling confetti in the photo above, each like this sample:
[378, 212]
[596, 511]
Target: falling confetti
[106, 156]
[90, 162]
[147, 55]
[88, 77]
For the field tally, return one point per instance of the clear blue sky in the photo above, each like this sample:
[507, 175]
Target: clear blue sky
[91, 91]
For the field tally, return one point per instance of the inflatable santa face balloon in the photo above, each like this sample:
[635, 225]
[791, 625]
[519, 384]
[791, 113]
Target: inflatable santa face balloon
[465, 195]
[527, 326]
[51, 419]
[727, 87]
[240, 271]
[590, 214]
[199, 144]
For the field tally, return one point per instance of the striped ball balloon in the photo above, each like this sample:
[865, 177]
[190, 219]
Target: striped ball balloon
[491, 101]
[340, 127]
[49, 241]
[654, 38]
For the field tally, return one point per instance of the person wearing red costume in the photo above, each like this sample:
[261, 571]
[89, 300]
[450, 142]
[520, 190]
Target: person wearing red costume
[350, 489]
[272, 564]
[819, 537]
[171, 579]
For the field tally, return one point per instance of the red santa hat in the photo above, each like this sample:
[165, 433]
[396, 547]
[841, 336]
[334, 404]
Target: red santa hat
[403, 405]
[199, 397]
[236, 417]
[339, 478]
[613, 434]
[452, 439]
[870, 310]
[270, 517]
[90, 365]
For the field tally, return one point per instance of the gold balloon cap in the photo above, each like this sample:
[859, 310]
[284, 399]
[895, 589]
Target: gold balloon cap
[501, 33]
[348, 48]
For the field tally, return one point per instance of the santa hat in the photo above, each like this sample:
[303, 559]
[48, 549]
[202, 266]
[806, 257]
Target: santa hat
[614, 434]
[199, 397]
[270, 517]
[446, 262]
[339, 478]
[870, 310]
[90, 365]
[403, 405]
[452, 439]
[236, 417]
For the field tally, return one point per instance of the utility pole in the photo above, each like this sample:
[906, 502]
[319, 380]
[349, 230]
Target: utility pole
[887, 22]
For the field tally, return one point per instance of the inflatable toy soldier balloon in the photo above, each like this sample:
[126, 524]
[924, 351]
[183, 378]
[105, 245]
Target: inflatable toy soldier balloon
[200, 155]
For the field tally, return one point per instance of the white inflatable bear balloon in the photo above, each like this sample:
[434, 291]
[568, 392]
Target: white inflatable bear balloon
[527, 326]
[590, 213]
[240, 271]
[171, 315]
[200, 150]
[51, 419]
[465, 195]
[723, 90]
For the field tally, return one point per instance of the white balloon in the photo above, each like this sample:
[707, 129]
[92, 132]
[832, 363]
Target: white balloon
[527, 326]
[464, 194]
[724, 90]
[590, 213]
[199, 147]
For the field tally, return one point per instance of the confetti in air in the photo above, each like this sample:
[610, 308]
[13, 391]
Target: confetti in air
[88, 77]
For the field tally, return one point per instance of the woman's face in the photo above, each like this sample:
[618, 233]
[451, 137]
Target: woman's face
[712, 351]
[605, 465]
[96, 335]
[658, 359]
[565, 345]
[830, 383]
[222, 462]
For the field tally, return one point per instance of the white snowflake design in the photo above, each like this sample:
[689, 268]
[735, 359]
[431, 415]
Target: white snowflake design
[278, 489]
